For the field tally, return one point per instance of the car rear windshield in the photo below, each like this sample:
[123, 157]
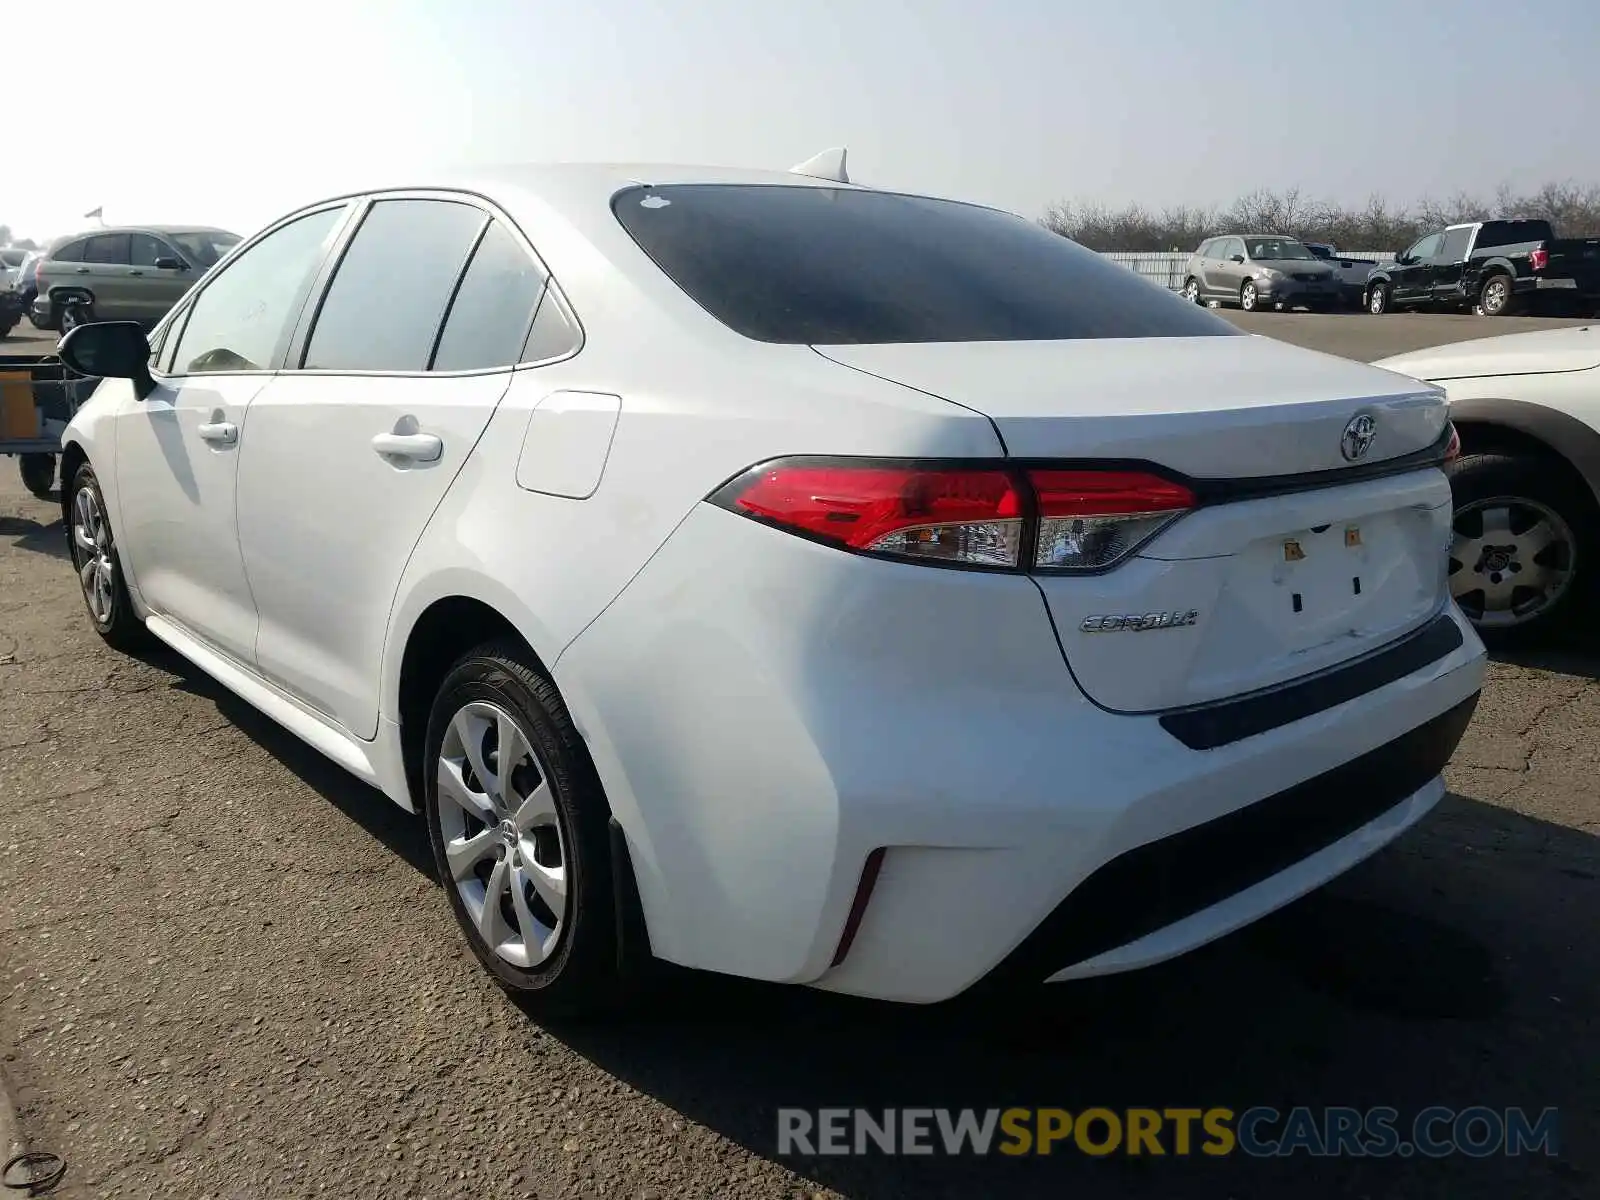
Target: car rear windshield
[204, 247]
[840, 266]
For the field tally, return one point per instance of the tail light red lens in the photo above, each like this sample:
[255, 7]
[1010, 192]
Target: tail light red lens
[997, 517]
[1452, 450]
[1539, 259]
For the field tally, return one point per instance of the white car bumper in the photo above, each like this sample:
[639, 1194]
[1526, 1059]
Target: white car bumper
[765, 712]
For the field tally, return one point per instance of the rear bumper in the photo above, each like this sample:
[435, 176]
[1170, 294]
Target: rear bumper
[765, 713]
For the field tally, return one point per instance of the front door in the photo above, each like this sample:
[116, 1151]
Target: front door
[349, 455]
[177, 451]
[1411, 278]
[156, 289]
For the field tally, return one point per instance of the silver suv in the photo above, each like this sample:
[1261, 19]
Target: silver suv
[1258, 271]
[124, 274]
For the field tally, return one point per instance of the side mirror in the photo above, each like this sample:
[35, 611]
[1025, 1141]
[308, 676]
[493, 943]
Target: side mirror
[110, 350]
[166, 263]
[1238, 258]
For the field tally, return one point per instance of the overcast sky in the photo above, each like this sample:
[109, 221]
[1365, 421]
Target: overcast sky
[231, 112]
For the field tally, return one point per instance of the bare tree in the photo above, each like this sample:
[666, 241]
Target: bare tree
[1574, 210]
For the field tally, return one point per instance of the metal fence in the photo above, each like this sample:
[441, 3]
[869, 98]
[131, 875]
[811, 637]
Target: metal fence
[1167, 268]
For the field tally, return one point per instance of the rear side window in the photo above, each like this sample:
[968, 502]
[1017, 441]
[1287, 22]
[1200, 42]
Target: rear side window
[109, 248]
[382, 310]
[800, 264]
[493, 308]
[71, 252]
[1454, 248]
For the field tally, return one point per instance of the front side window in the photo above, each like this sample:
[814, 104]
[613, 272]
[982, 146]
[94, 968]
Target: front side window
[798, 264]
[146, 249]
[1426, 248]
[204, 248]
[239, 318]
[110, 249]
[493, 308]
[1278, 250]
[1232, 247]
[382, 310]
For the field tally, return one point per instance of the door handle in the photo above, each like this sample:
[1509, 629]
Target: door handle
[81, 271]
[136, 271]
[223, 433]
[413, 447]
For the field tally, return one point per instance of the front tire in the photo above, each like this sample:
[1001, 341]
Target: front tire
[39, 474]
[94, 557]
[1377, 301]
[1249, 297]
[518, 823]
[1524, 538]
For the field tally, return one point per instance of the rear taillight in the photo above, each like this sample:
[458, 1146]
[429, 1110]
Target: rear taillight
[1452, 449]
[38, 273]
[999, 517]
[1539, 259]
[1091, 519]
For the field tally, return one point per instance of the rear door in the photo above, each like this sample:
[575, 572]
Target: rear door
[396, 372]
[107, 258]
[1450, 264]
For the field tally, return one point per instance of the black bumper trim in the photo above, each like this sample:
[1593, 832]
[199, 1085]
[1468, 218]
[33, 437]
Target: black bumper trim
[1160, 883]
[1207, 726]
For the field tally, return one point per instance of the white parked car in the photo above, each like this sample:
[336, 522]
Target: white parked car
[1527, 486]
[786, 578]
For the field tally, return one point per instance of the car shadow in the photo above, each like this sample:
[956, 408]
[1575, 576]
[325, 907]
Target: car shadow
[1576, 655]
[42, 538]
[1406, 983]
[361, 804]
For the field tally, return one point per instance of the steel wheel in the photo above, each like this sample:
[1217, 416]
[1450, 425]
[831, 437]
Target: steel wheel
[502, 837]
[91, 555]
[1511, 559]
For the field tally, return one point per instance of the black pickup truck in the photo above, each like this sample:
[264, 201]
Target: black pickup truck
[1496, 268]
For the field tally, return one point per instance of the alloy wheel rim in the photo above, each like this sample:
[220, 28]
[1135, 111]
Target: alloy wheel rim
[1494, 296]
[1191, 292]
[1375, 302]
[91, 554]
[1511, 559]
[503, 841]
[1248, 298]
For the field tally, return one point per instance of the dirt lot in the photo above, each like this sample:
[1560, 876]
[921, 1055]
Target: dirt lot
[226, 972]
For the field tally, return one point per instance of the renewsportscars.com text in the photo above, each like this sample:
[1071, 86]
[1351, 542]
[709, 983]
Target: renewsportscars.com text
[1260, 1132]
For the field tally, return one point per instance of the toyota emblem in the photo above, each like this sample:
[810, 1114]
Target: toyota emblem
[1358, 437]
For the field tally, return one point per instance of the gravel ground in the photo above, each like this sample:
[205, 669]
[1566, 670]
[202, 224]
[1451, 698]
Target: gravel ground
[226, 972]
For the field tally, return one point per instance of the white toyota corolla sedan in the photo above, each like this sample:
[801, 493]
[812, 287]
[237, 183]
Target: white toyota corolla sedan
[786, 578]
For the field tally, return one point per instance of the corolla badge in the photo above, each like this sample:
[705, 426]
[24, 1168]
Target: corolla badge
[1358, 437]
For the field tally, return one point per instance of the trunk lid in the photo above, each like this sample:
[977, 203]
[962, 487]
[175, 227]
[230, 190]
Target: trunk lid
[1280, 585]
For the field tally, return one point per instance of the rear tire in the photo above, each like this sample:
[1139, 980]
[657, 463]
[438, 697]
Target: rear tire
[1495, 298]
[39, 474]
[93, 547]
[1524, 541]
[1377, 299]
[1191, 291]
[566, 964]
[73, 315]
